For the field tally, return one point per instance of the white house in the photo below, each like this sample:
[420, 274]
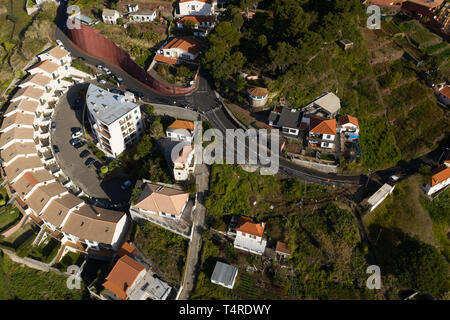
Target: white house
[348, 125]
[159, 200]
[184, 164]
[181, 130]
[196, 7]
[115, 120]
[143, 15]
[439, 180]
[443, 93]
[185, 48]
[322, 132]
[250, 236]
[201, 24]
[378, 197]
[327, 105]
[110, 16]
[288, 120]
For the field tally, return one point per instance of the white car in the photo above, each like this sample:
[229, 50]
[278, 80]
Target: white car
[102, 81]
[77, 134]
[59, 42]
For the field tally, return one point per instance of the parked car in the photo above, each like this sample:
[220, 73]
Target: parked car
[55, 149]
[120, 80]
[126, 185]
[59, 42]
[394, 178]
[100, 67]
[77, 134]
[74, 140]
[102, 81]
[79, 144]
[89, 162]
[53, 126]
[84, 153]
[75, 129]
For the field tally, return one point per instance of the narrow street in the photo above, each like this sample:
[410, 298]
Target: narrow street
[193, 256]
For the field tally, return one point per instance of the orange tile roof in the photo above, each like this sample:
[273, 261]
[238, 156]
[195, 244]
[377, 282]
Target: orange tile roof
[440, 175]
[348, 119]
[122, 276]
[126, 249]
[47, 66]
[282, 247]
[158, 198]
[198, 19]
[246, 225]
[182, 124]
[445, 91]
[258, 91]
[161, 58]
[322, 126]
[188, 44]
[204, 1]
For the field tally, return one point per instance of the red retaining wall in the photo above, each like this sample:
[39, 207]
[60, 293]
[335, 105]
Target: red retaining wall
[93, 43]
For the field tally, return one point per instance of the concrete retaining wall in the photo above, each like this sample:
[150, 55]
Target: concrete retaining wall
[176, 112]
[316, 166]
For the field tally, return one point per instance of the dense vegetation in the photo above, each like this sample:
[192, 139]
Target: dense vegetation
[23, 283]
[166, 250]
[295, 45]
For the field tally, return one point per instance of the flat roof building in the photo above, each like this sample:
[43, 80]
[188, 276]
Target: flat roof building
[115, 119]
[224, 275]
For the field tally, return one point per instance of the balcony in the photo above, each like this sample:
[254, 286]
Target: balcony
[103, 133]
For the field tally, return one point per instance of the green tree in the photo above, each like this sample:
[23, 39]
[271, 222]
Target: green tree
[238, 21]
[419, 266]
[144, 146]
[290, 19]
[262, 41]
[148, 109]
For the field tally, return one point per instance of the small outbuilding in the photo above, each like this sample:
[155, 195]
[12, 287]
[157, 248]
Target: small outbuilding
[224, 275]
[258, 96]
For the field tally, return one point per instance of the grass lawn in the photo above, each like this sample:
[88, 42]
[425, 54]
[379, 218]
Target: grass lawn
[46, 251]
[164, 249]
[9, 216]
[23, 283]
[70, 258]
[403, 210]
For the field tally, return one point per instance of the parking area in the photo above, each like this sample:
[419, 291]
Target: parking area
[67, 118]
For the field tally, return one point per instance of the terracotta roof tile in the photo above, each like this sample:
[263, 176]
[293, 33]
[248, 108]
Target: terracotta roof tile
[246, 225]
[348, 119]
[322, 126]
[440, 175]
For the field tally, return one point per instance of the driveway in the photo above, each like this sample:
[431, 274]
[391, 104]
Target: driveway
[69, 157]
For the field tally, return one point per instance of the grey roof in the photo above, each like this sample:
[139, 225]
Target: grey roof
[83, 18]
[142, 12]
[107, 106]
[274, 117]
[329, 102]
[290, 118]
[224, 273]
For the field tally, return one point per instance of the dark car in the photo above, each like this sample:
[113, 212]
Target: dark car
[74, 141]
[79, 144]
[84, 153]
[97, 164]
[89, 162]
[53, 126]
[75, 129]
[55, 149]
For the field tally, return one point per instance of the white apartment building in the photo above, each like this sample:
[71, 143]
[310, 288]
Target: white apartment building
[196, 7]
[116, 121]
[250, 236]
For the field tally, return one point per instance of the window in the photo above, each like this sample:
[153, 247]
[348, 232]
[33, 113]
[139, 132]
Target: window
[135, 111]
[137, 117]
[192, 7]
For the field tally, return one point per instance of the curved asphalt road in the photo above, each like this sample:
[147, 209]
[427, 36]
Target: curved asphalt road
[205, 99]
